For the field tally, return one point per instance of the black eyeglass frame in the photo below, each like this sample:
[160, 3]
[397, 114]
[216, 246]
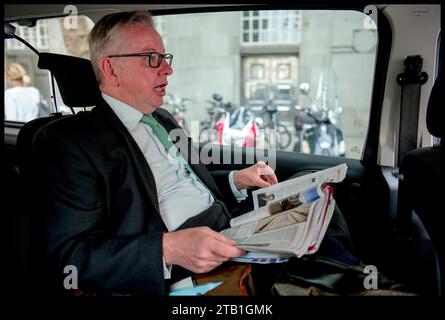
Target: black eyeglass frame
[167, 57]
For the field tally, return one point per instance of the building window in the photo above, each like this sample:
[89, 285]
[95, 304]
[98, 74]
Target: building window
[283, 71]
[271, 26]
[257, 71]
[37, 37]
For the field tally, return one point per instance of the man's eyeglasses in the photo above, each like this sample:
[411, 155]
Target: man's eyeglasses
[154, 59]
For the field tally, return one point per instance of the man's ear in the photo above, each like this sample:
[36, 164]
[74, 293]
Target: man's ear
[108, 72]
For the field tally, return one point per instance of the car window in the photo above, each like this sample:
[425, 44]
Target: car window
[295, 80]
[306, 73]
[28, 93]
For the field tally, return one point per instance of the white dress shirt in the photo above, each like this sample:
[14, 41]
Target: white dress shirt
[175, 187]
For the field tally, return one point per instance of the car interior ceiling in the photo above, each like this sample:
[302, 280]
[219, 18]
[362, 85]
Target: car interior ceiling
[364, 196]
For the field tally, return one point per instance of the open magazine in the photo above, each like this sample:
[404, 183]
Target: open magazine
[289, 218]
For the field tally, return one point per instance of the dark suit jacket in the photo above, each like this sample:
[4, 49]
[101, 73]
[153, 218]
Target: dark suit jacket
[101, 205]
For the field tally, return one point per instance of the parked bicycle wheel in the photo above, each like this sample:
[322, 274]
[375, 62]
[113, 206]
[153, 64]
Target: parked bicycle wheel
[279, 138]
[284, 136]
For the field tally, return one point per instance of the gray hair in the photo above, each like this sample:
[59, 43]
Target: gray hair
[102, 38]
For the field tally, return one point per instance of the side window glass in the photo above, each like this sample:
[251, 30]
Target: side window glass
[305, 75]
[28, 91]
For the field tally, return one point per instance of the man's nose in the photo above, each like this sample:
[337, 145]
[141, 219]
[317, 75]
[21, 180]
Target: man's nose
[165, 68]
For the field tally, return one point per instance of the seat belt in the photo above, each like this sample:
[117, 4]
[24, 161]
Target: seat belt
[411, 81]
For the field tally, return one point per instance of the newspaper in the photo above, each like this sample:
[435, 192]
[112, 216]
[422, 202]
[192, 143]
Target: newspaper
[289, 218]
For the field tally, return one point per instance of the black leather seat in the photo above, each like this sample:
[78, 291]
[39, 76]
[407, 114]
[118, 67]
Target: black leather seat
[78, 88]
[24, 140]
[27, 221]
[423, 173]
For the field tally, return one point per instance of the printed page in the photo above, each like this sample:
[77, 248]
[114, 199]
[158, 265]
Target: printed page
[316, 211]
[262, 258]
[268, 195]
[322, 218]
[329, 214]
[249, 217]
[281, 231]
[316, 224]
[278, 241]
[293, 200]
[294, 224]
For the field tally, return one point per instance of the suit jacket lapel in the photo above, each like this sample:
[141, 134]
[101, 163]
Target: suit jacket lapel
[140, 162]
[184, 143]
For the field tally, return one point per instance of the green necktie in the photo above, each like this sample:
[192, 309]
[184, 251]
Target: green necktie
[168, 144]
[164, 138]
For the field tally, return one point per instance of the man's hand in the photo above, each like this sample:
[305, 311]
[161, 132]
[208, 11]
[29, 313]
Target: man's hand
[258, 175]
[198, 249]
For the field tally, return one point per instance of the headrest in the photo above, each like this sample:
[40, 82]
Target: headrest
[75, 78]
[435, 115]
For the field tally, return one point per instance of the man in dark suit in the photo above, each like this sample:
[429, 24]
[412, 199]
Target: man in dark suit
[119, 206]
[122, 205]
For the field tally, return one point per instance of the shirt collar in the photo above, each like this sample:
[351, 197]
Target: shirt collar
[129, 116]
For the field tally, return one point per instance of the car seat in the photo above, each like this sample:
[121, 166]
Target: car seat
[79, 89]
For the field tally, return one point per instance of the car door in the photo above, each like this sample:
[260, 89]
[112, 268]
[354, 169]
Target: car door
[345, 56]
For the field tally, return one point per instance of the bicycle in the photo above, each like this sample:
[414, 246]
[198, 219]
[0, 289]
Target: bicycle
[273, 128]
[228, 124]
[177, 107]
